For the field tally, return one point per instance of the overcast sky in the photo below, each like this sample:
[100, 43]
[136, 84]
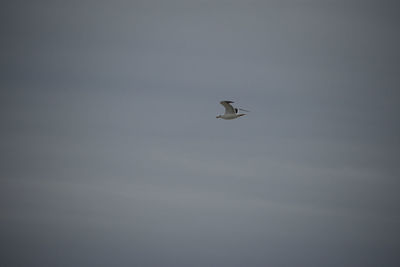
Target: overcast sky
[111, 153]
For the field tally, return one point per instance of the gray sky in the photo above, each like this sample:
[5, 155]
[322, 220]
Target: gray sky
[111, 153]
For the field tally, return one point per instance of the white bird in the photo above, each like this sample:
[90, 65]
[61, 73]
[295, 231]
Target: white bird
[230, 112]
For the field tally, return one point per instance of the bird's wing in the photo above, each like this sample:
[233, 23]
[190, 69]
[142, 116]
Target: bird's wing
[228, 108]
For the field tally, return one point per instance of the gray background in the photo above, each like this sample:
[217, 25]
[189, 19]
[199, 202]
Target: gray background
[111, 153]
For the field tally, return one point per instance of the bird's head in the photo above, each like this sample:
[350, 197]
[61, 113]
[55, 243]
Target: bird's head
[219, 116]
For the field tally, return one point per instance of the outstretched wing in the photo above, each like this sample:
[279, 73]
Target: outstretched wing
[228, 107]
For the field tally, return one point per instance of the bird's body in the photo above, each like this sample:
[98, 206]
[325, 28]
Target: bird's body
[230, 116]
[230, 112]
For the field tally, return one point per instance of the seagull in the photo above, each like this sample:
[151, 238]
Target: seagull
[230, 112]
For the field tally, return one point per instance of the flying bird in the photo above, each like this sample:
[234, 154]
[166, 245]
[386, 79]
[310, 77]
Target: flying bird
[230, 112]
